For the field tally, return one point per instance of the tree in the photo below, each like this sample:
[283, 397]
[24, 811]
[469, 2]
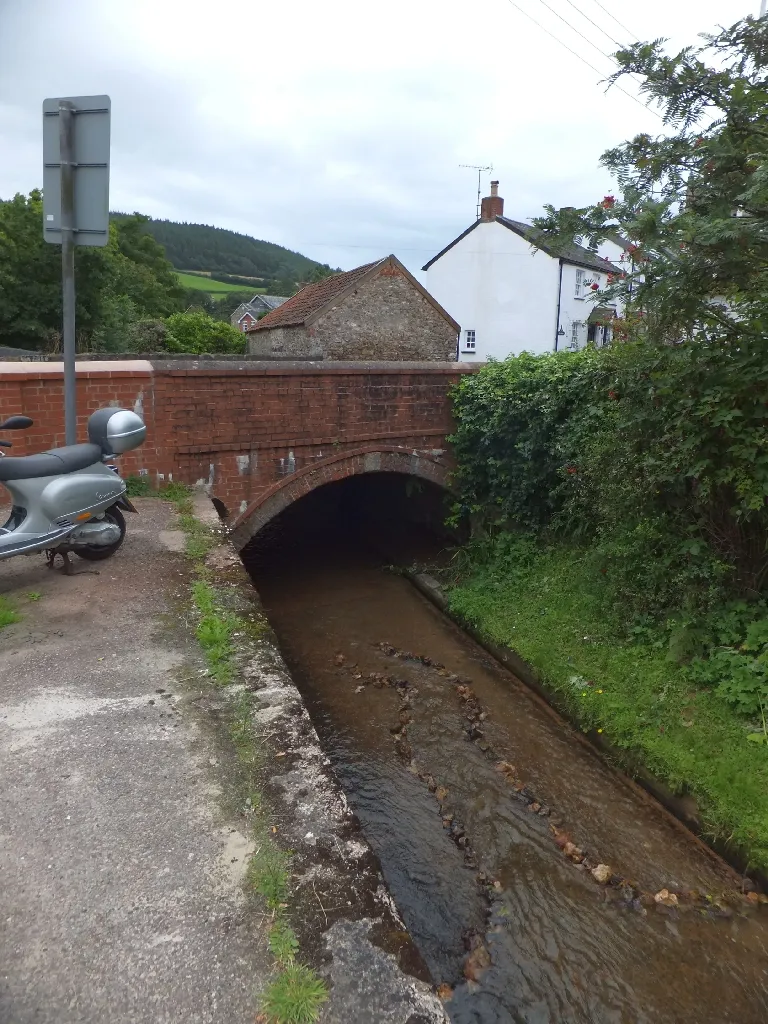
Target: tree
[30, 277]
[126, 280]
[226, 307]
[694, 201]
[284, 286]
[320, 272]
[198, 332]
[142, 271]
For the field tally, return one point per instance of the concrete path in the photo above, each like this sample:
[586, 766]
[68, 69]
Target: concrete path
[120, 896]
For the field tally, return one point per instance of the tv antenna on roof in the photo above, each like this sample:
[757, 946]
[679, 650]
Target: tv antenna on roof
[480, 170]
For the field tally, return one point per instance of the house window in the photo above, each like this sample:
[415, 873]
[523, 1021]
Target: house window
[469, 344]
[575, 332]
[579, 289]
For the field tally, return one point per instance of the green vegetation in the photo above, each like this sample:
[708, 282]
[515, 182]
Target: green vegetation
[268, 875]
[219, 251]
[138, 487]
[295, 997]
[296, 994]
[620, 495]
[129, 295]
[7, 613]
[198, 332]
[214, 630]
[34, 595]
[624, 680]
[695, 268]
[619, 498]
[283, 944]
[208, 284]
[127, 281]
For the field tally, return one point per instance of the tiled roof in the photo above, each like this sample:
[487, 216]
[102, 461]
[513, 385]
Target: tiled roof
[297, 310]
[571, 253]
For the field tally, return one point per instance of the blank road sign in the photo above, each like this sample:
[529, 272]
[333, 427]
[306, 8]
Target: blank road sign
[91, 172]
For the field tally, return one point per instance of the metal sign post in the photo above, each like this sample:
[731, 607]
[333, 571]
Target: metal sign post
[66, 132]
[75, 206]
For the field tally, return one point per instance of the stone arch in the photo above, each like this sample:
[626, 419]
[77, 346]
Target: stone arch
[409, 462]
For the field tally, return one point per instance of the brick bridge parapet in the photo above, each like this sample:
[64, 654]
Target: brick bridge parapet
[257, 434]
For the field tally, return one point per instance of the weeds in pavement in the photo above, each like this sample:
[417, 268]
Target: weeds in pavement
[179, 494]
[295, 996]
[34, 595]
[268, 874]
[296, 993]
[283, 944]
[138, 487]
[7, 613]
[214, 631]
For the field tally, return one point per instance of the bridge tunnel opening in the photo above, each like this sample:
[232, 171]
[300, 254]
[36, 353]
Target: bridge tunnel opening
[370, 518]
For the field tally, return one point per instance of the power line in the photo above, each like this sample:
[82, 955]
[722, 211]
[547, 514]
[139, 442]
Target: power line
[578, 33]
[598, 27]
[612, 15]
[582, 59]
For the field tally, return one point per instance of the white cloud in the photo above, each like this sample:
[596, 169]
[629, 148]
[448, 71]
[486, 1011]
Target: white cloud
[337, 128]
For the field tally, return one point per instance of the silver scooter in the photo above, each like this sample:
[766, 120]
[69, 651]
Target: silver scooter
[70, 499]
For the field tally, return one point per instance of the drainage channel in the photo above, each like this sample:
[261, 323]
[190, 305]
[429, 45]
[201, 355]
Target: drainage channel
[537, 884]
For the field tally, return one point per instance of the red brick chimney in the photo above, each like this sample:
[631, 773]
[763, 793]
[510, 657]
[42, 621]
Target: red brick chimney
[493, 205]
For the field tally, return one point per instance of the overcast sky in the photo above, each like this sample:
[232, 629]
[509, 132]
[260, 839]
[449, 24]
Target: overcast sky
[335, 128]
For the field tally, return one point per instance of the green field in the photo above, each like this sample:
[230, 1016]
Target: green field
[205, 284]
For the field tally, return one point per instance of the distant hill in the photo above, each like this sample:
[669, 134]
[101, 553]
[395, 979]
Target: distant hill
[218, 251]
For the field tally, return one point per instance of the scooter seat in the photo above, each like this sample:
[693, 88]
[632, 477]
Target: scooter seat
[52, 463]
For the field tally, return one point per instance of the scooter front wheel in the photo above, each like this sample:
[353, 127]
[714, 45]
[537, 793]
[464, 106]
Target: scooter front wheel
[96, 553]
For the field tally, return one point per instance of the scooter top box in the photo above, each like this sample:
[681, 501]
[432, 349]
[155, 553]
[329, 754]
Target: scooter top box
[116, 430]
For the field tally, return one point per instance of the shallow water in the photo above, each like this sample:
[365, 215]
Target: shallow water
[562, 948]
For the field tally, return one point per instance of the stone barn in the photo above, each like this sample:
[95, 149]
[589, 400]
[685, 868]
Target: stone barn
[378, 312]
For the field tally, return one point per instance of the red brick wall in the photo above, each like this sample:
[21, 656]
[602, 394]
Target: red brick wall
[241, 426]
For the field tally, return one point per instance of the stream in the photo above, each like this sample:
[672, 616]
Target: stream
[480, 802]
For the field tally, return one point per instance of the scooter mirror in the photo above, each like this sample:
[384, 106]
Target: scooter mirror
[16, 423]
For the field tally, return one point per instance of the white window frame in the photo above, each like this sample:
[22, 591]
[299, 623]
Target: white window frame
[576, 326]
[578, 291]
[469, 341]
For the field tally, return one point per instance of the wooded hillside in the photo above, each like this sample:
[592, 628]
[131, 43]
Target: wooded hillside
[219, 251]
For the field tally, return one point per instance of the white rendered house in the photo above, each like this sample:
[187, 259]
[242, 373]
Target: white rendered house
[510, 297]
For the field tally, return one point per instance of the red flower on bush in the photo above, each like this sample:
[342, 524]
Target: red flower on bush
[608, 202]
[613, 396]
[610, 279]
[595, 286]
[571, 469]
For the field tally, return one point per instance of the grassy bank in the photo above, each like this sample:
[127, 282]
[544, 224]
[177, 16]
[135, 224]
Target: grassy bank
[549, 606]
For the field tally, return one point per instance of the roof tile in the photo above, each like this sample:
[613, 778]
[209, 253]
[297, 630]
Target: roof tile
[571, 253]
[297, 310]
